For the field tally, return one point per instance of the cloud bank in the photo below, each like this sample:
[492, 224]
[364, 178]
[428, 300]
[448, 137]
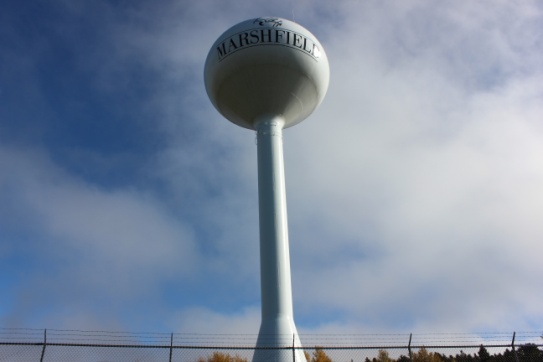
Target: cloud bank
[414, 191]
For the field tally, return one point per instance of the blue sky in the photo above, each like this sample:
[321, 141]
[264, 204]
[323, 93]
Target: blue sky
[415, 191]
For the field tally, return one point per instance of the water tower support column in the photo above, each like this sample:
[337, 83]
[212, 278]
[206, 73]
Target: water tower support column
[277, 328]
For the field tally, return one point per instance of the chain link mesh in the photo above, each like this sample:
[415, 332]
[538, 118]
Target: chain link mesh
[61, 345]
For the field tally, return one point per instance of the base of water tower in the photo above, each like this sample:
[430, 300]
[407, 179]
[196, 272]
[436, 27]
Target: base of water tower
[276, 340]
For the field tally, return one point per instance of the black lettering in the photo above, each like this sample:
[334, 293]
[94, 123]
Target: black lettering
[222, 50]
[243, 37]
[263, 36]
[279, 35]
[297, 40]
[268, 36]
[255, 39]
[305, 46]
[231, 44]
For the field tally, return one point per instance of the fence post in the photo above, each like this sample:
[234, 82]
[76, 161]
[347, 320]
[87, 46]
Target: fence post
[171, 346]
[513, 347]
[293, 349]
[409, 347]
[44, 344]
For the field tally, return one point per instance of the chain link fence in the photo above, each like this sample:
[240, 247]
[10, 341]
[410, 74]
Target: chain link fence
[68, 345]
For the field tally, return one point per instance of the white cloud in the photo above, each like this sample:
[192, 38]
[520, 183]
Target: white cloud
[414, 190]
[199, 320]
[426, 177]
[89, 242]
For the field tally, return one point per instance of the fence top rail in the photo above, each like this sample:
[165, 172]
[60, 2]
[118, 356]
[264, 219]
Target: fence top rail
[216, 347]
[58, 337]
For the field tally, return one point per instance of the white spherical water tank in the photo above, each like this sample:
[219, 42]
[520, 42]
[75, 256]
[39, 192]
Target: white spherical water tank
[266, 66]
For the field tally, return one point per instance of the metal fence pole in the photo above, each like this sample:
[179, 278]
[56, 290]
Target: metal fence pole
[293, 349]
[171, 346]
[409, 347]
[513, 347]
[44, 344]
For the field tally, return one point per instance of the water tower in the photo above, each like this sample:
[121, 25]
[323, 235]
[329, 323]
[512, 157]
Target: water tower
[267, 74]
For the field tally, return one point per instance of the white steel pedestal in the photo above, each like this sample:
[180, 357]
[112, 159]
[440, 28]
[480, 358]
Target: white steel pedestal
[277, 328]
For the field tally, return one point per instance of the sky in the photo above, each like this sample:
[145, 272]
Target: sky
[415, 190]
